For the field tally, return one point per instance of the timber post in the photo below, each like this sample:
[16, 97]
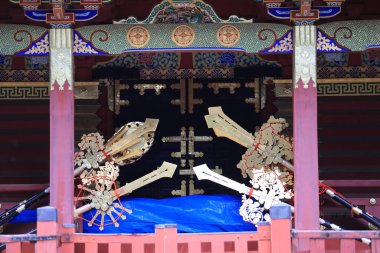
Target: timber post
[47, 227]
[305, 128]
[62, 126]
[281, 226]
[264, 240]
[166, 238]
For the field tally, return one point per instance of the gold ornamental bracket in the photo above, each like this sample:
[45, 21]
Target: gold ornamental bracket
[187, 142]
[114, 96]
[187, 189]
[255, 100]
[143, 87]
[189, 89]
[230, 86]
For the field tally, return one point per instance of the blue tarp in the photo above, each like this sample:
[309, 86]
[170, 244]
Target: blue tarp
[192, 214]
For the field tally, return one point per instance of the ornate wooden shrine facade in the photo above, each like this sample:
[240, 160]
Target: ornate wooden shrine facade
[277, 57]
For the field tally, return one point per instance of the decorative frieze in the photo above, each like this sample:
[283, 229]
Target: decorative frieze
[335, 87]
[40, 90]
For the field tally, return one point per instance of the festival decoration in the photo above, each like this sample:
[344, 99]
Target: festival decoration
[98, 169]
[250, 210]
[104, 196]
[266, 161]
[127, 145]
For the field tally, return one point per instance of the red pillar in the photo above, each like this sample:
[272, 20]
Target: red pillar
[306, 185]
[61, 126]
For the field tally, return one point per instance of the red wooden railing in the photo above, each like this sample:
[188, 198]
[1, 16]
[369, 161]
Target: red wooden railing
[277, 237]
[335, 241]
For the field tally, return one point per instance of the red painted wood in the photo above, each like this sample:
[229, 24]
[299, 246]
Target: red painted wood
[334, 105]
[46, 228]
[62, 153]
[138, 246]
[348, 118]
[24, 110]
[22, 187]
[91, 247]
[280, 235]
[217, 246]
[347, 246]
[348, 234]
[32, 124]
[264, 238]
[166, 239]
[363, 132]
[317, 246]
[114, 247]
[375, 245]
[305, 158]
[353, 183]
[14, 247]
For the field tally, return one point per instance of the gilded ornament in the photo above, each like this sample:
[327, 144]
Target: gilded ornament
[138, 36]
[228, 35]
[40, 47]
[82, 47]
[183, 35]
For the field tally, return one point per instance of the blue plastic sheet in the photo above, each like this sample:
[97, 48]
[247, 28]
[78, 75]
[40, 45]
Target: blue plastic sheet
[25, 216]
[192, 214]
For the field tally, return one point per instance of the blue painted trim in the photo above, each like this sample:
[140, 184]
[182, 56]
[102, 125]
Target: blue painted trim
[373, 46]
[47, 213]
[165, 226]
[34, 44]
[280, 211]
[284, 12]
[80, 15]
[68, 225]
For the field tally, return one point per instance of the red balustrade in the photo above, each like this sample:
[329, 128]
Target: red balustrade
[277, 237]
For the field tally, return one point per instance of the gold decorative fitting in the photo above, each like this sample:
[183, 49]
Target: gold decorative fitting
[156, 87]
[184, 190]
[187, 142]
[138, 36]
[217, 86]
[183, 35]
[256, 97]
[191, 101]
[114, 101]
[228, 35]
